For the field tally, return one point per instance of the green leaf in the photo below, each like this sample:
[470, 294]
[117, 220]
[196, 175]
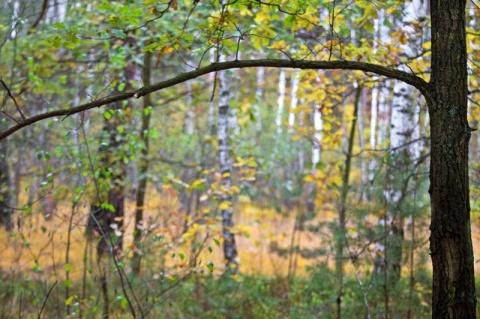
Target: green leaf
[119, 33]
[210, 266]
[147, 110]
[59, 26]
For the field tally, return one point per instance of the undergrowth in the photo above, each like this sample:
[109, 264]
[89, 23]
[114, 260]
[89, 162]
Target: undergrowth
[202, 296]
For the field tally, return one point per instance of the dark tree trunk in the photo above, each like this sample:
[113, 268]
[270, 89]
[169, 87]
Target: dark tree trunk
[143, 163]
[450, 239]
[5, 194]
[106, 220]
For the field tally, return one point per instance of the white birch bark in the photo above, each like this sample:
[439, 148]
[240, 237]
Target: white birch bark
[360, 125]
[404, 107]
[317, 138]
[380, 94]
[189, 125]
[56, 12]
[224, 113]
[316, 153]
[301, 153]
[258, 99]
[293, 100]
[211, 104]
[280, 100]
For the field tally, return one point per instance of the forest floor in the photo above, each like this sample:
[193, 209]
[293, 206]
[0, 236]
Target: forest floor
[39, 247]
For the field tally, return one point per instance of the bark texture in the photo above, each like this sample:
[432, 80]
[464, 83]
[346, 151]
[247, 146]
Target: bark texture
[224, 112]
[143, 164]
[450, 239]
[5, 195]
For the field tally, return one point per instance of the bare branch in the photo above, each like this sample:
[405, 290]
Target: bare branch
[13, 98]
[408, 78]
[40, 16]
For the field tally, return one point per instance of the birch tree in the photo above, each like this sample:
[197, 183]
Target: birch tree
[225, 162]
[404, 118]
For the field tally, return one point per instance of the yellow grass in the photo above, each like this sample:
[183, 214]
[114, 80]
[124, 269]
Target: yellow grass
[43, 243]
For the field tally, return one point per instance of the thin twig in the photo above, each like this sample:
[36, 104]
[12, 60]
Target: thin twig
[14, 101]
[46, 298]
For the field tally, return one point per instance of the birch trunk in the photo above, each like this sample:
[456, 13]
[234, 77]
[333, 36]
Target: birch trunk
[258, 99]
[293, 100]
[380, 94]
[224, 113]
[189, 125]
[281, 100]
[404, 107]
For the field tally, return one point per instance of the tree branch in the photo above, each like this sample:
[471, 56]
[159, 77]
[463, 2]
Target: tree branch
[408, 78]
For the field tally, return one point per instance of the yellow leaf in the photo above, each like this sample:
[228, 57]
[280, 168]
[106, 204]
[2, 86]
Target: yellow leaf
[235, 190]
[337, 180]
[224, 205]
[309, 178]
[69, 301]
[260, 17]
[245, 11]
[321, 174]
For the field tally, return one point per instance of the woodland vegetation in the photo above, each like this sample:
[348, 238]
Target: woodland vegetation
[239, 158]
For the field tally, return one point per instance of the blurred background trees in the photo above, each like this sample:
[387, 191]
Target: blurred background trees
[314, 183]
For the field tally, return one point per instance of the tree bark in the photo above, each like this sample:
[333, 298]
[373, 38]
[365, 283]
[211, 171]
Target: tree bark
[143, 163]
[450, 238]
[224, 110]
[5, 195]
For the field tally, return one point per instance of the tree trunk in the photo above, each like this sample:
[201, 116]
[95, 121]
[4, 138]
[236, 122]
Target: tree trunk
[143, 163]
[282, 84]
[108, 221]
[229, 245]
[5, 195]
[450, 238]
[258, 99]
[293, 100]
[189, 124]
[342, 219]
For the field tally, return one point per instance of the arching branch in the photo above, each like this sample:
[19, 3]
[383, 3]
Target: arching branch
[408, 78]
[41, 15]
